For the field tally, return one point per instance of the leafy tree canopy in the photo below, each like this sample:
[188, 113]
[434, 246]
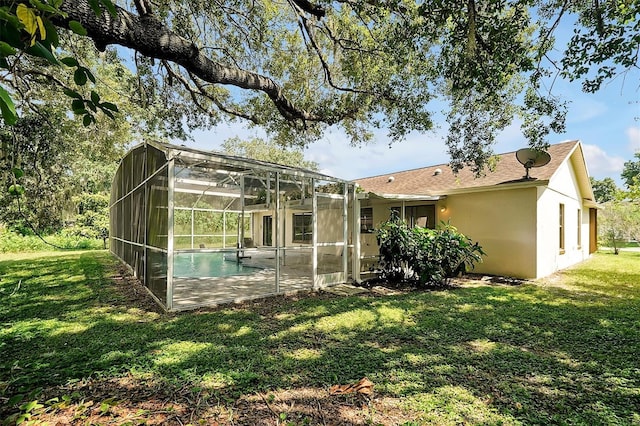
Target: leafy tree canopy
[259, 149]
[619, 220]
[604, 190]
[50, 159]
[631, 172]
[298, 67]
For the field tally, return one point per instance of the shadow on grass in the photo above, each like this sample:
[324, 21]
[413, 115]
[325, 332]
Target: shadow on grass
[483, 354]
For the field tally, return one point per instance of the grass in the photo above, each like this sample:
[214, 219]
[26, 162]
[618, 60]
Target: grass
[563, 350]
[11, 242]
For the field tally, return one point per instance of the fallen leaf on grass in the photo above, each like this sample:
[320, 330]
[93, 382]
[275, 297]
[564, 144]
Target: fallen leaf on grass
[364, 387]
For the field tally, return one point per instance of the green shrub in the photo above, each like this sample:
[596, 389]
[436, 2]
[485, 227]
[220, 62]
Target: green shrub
[430, 257]
[443, 253]
[397, 249]
[92, 220]
[12, 242]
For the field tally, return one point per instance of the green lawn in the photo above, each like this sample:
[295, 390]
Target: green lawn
[565, 350]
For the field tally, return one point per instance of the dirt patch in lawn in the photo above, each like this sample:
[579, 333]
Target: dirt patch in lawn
[131, 401]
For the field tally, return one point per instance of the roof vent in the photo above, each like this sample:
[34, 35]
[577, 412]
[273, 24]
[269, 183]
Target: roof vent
[437, 172]
[391, 179]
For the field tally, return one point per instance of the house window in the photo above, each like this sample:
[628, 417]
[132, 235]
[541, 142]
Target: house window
[366, 220]
[302, 228]
[423, 216]
[561, 228]
[579, 240]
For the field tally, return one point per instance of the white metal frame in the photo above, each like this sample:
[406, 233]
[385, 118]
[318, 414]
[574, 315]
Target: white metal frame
[276, 176]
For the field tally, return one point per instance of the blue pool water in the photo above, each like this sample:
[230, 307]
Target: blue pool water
[204, 265]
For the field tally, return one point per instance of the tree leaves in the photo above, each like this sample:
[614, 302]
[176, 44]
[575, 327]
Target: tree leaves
[80, 77]
[631, 172]
[17, 172]
[606, 44]
[362, 65]
[41, 37]
[35, 21]
[70, 62]
[603, 190]
[87, 107]
[96, 6]
[16, 190]
[28, 19]
[82, 74]
[38, 49]
[6, 49]
[7, 107]
[77, 28]
[80, 105]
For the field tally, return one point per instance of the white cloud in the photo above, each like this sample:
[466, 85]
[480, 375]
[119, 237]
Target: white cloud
[633, 133]
[584, 108]
[600, 163]
[337, 158]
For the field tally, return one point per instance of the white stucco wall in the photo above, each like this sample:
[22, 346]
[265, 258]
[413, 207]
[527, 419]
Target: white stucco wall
[562, 189]
[517, 228]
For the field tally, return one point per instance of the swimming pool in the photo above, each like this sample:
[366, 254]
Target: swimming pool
[205, 265]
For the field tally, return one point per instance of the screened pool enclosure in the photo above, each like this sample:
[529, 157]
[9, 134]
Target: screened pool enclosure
[201, 228]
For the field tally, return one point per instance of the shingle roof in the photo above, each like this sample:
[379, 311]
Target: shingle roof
[427, 181]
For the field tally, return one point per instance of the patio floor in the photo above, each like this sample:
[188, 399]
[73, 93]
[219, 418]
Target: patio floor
[189, 293]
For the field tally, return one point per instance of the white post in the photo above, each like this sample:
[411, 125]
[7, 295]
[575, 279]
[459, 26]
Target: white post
[193, 228]
[345, 232]
[240, 244]
[224, 229]
[171, 177]
[314, 235]
[268, 198]
[277, 218]
[355, 232]
[146, 219]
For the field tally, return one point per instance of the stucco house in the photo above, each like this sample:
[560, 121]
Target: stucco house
[529, 228]
[201, 228]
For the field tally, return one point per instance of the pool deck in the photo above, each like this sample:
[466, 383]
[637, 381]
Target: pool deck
[295, 276]
[192, 293]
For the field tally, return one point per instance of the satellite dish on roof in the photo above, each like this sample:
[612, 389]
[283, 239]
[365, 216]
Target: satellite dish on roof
[529, 158]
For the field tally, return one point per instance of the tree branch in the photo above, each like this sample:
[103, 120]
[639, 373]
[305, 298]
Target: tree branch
[200, 90]
[143, 7]
[323, 62]
[310, 8]
[152, 38]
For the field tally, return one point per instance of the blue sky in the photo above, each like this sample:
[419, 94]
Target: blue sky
[607, 123]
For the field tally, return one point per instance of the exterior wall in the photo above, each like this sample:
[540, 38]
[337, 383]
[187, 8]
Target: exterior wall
[562, 189]
[329, 226]
[381, 212]
[504, 224]
[257, 227]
